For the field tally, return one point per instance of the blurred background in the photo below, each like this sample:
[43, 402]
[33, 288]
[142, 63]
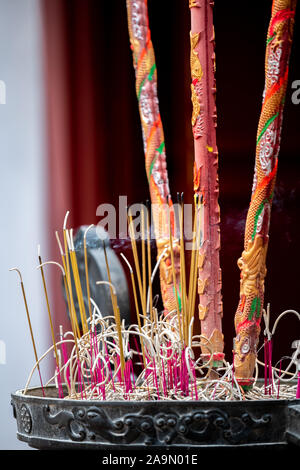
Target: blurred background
[70, 139]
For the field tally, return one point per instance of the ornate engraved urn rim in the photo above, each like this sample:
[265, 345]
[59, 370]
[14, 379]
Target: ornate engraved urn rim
[84, 424]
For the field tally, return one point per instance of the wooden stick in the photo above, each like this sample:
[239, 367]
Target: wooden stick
[77, 283]
[30, 327]
[194, 291]
[192, 264]
[48, 306]
[174, 274]
[64, 274]
[136, 262]
[149, 259]
[87, 271]
[73, 316]
[143, 255]
[117, 320]
[116, 312]
[136, 305]
[183, 271]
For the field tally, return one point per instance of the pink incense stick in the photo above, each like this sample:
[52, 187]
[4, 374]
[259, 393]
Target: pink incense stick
[298, 386]
[266, 364]
[270, 367]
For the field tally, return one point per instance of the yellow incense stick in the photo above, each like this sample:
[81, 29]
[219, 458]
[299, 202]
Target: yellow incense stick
[116, 311]
[136, 262]
[77, 284]
[87, 271]
[73, 316]
[183, 272]
[136, 305]
[143, 255]
[200, 209]
[108, 274]
[174, 275]
[117, 321]
[193, 255]
[64, 273]
[149, 261]
[48, 308]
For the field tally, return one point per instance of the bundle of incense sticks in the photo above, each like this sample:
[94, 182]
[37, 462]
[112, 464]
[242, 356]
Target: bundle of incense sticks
[178, 342]
[156, 358]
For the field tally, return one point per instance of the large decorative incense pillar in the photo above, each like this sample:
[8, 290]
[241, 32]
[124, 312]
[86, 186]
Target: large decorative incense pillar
[154, 144]
[204, 122]
[253, 260]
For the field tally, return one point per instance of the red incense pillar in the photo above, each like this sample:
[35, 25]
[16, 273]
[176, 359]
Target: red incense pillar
[204, 121]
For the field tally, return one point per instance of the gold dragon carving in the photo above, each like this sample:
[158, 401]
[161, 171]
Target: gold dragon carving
[196, 73]
[253, 267]
[193, 4]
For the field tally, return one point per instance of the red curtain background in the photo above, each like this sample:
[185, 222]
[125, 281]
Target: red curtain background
[95, 141]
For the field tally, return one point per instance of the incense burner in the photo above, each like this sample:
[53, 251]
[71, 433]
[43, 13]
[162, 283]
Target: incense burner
[53, 423]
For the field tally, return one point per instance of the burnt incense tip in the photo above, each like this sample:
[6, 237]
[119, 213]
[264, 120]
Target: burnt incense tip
[19, 273]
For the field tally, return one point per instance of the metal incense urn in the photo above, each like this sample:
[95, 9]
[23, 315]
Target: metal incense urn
[53, 423]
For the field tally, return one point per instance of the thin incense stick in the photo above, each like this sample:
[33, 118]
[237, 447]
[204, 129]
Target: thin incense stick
[118, 323]
[182, 269]
[48, 306]
[30, 327]
[87, 270]
[64, 274]
[73, 316]
[198, 245]
[116, 312]
[148, 229]
[77, 283]
[136, 304]
[174, 275]
[143, 254]
[149, 263]
[136, 261]
[192, 263]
